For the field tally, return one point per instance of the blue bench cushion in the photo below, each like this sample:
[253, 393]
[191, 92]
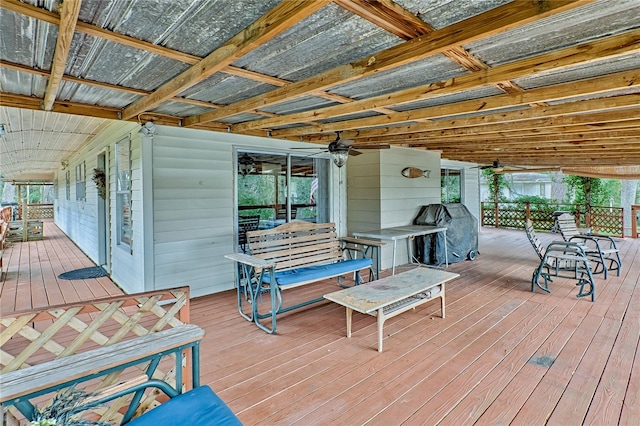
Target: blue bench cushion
[199, 406]
[318, 272]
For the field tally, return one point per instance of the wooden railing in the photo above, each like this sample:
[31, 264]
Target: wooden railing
[601, 220]
[37, 211]
[40, 335]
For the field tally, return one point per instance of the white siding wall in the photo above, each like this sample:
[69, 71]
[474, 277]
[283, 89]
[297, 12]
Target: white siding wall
[193, 200]
[470, 185]
[380, 197]
[78, 219]
[194, 212]
[184, 210]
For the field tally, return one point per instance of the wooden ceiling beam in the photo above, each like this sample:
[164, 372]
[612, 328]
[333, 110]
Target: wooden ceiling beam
[480, 26]
[499, 141]
[488, 124]
[116, 87]
[268, 26]
[564, 91]
[562, 160]
[388, 15]
[618, 45]
[622, 144]
[52, 18]
[68, 18]
[95, 31]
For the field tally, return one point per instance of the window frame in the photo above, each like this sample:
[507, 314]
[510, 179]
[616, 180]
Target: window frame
[81, 181]
[445, 173]
[124, 214]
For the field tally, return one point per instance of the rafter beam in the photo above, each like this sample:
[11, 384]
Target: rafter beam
[613, 46]
[68, 18]
[564, 91]
[517, 120]
[497, 20]
[271, 24]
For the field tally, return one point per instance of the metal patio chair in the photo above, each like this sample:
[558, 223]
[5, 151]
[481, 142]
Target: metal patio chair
[560, 259]
[602, 248]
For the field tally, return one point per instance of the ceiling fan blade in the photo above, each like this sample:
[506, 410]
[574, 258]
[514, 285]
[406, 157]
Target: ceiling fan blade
[383, 146]
[354, 152]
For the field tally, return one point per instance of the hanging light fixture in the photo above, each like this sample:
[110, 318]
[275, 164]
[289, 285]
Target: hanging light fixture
[339, 152]
[246, 164]
[340, 156]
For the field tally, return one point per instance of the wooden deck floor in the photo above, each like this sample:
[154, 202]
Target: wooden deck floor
[503, 355]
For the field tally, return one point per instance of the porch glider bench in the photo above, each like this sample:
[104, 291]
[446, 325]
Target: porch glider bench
[289, 256]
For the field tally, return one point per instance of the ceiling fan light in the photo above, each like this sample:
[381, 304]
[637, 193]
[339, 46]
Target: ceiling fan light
[340, 157]
[246, 164]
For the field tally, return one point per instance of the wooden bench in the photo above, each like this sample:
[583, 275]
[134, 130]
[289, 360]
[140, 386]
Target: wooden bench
[21, 386]
[130, 351]
[289, 256]
[393, 295]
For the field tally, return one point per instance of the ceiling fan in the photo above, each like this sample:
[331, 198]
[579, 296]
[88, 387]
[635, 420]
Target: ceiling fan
[497, 166]
[340, 149]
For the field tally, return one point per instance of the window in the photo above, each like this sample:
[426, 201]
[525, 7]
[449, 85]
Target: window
[451, 186]
[67, 184]
[81, 185]
[123, 192]
[280, 188]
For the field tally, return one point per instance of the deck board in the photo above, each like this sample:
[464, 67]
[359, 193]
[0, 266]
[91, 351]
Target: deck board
[503, 355]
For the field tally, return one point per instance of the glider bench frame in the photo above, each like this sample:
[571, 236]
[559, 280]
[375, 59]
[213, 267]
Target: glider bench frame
[289, 256]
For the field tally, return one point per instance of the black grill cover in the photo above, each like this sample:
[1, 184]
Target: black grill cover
[462, 233]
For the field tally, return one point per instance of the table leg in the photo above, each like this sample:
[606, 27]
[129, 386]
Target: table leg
[349, 316]
[393, 264]
[380, 325]
[446, 252]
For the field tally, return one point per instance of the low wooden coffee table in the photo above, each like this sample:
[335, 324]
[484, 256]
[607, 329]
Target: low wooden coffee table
[391, 296]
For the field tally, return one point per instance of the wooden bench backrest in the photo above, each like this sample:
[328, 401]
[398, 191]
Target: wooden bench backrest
[297, 244]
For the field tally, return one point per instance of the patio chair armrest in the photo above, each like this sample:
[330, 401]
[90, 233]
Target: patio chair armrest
[605, 238]
[566, 247]
[253, 261]
[585, 239]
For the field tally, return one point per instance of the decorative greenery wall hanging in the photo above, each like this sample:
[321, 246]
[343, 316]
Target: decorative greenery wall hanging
[100, 179]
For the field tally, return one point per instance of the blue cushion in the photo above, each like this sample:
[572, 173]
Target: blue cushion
[199, 406]
[318, 272]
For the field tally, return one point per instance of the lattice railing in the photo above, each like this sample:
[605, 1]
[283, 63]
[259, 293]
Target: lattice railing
[606, 220]
[40, 335]
[602, 220]
[36, 211]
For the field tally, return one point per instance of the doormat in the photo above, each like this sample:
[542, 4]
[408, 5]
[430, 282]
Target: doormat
[84, 273]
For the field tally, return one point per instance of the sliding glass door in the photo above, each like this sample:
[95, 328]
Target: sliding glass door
[275, 188]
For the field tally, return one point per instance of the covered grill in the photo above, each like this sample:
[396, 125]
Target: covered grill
[462, 234]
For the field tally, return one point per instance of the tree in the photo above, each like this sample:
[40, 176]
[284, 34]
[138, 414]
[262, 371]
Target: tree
[593, 191]
[496, 182]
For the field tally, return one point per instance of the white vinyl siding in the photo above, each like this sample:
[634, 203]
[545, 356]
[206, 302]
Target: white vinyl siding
[192, 211]
[78, 219]
[380, 197]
